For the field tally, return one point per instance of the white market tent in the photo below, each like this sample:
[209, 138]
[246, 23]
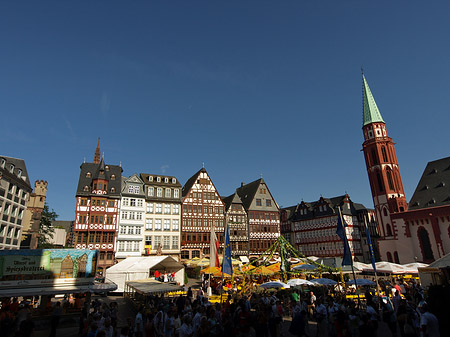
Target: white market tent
[142, 267]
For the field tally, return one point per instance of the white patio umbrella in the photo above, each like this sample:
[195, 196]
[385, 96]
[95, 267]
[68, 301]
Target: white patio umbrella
[362, 282]
[412, 268]
[293, 282]
[390, 268]
[362, 266]
[274, 284]
[324, 281]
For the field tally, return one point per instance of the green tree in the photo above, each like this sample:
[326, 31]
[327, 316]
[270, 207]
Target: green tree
[46, 229]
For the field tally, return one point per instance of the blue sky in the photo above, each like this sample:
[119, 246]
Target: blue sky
[247, 87]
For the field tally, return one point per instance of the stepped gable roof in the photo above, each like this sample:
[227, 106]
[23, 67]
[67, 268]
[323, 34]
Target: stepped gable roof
[95, 173]
[232, 199]
[247, 192]
[19, 164]
[191, 181]
[433, 189]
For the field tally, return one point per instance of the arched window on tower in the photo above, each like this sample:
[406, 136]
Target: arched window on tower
[383, 152]
[375, 157]
[388, 230]
[385, 213]
[389, 178]
[396, 259]
[380, 182]
[425, 245]
[389, 257]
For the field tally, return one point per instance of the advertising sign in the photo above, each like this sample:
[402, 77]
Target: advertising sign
[40, 266]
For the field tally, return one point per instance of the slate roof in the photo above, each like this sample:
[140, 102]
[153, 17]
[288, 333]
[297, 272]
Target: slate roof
[19, 164]
[433, 189]
[333, 204]
[232, 199]
[95, 170]
[248, 191]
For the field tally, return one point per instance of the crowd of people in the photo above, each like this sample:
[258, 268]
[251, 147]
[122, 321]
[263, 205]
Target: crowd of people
[316, 313]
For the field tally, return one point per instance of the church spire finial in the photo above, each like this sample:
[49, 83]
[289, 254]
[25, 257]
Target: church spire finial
[97, 153]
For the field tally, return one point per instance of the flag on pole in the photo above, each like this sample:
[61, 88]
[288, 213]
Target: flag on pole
[340, 231]
[227, 267]
[214, 250]
[369, 243]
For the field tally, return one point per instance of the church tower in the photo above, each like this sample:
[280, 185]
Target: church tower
[382, 166]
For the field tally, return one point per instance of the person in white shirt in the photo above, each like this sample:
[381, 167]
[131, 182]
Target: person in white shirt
[322, 319]
[186, 329]
[429, 325]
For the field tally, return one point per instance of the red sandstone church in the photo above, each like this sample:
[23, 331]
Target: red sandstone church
[418, 231]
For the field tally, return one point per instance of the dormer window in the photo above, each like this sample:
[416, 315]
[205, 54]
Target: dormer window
[102, 172]
[2, 163]
[158, 179]
[88, 174]
[174, 181]
[113, 177]
[166, 180]
[86, 188]
[150, 178]
[11, 168]
[107, 168]
[19, 173]
[113, 190]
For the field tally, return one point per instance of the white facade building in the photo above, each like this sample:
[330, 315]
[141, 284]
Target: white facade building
[131, 221]
[162, 217]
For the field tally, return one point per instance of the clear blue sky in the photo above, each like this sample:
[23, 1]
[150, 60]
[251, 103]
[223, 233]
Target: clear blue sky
[247, 87]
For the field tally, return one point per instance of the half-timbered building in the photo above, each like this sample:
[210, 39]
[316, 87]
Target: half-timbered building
[236, 217]
[263, 215]
[202, 208]
[97, 208]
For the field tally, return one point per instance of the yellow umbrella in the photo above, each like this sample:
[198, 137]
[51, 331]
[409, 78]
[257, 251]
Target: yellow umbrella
[209, 270]
[275, 267]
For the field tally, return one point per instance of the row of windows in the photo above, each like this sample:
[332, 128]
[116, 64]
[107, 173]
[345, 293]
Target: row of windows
[96, 202]
[237, 218]
[268, 202]
[158, 208]
[95, 219]
[15, 210]
[206, 209]
[156, 224]
[132, 202]
[131, 215]
[166, 192]
[165, 241]
[132, 230]
[128, 246]
[204, 195]
[265, 229]
[94, 237]
[261, 244]
[202, 222]
[200, 237]
[9, 231]
[166, 179]
[262, 216]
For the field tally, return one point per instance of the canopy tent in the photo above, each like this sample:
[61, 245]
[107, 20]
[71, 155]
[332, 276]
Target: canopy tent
[413, 268]
[138, 268]
[151, 286]
[274, 284]
[389, 268]
[324, 282]
[293, 282]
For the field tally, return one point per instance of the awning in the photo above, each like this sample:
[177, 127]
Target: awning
[69, 289]
[151, 286]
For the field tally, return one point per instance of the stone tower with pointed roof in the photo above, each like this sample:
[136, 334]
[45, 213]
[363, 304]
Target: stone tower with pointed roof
[382, 166]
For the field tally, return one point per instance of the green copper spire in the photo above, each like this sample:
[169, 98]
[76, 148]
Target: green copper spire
[371, 114]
